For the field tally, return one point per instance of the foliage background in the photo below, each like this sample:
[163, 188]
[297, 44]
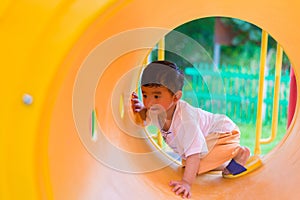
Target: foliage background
[243, 52]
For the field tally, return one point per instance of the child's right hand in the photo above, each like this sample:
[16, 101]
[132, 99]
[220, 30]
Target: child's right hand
[136, 105]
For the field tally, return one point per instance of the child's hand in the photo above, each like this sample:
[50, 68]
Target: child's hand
[136, 105]
[181, 187]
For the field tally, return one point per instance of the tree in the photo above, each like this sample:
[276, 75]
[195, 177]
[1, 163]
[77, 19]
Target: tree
[243, 49]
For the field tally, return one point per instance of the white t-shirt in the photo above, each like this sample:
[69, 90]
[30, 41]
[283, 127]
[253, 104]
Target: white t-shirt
[190, 126]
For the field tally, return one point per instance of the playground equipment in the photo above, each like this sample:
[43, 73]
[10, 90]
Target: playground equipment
[61, 60]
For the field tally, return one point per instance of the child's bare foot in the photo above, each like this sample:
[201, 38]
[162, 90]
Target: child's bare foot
[241, 158]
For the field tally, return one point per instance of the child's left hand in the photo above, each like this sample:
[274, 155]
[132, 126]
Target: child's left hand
[181, 187]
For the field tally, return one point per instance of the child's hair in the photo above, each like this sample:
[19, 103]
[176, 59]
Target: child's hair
[163, 73]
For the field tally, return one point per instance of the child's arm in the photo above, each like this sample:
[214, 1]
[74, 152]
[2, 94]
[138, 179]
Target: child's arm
[191, 168]
[138, 107]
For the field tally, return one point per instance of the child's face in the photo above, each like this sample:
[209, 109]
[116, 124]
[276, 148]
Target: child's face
[157, 98]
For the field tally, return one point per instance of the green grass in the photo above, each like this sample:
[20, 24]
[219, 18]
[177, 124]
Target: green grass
[248, 135]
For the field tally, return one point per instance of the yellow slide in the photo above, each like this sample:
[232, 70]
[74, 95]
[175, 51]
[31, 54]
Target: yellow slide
[62, 61]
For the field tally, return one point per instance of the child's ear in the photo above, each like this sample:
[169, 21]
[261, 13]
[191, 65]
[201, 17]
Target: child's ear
[177, 95]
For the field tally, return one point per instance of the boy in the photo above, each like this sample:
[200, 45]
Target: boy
[205, 141]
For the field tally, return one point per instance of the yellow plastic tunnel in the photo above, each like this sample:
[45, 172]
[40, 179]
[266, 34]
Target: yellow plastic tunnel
[63, 60]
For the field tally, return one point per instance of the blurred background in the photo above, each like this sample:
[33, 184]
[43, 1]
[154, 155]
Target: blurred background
[223, 77]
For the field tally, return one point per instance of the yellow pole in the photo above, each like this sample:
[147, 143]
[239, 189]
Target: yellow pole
[161, 49]
[276, 96]
[263, 56]
[161, 56]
